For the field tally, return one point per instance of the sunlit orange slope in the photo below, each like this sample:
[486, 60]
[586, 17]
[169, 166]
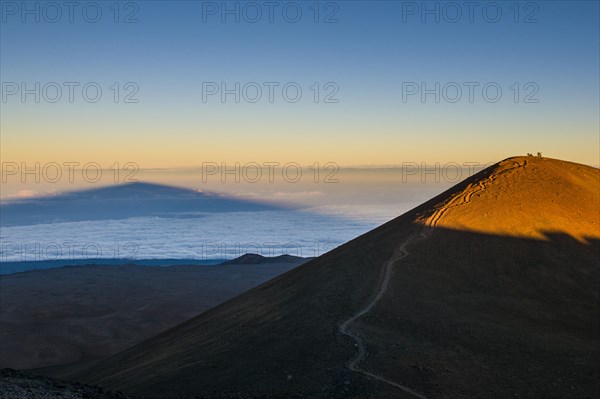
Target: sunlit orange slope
[525, 197]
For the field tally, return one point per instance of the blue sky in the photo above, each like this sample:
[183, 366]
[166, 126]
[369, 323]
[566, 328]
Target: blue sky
[369, 54]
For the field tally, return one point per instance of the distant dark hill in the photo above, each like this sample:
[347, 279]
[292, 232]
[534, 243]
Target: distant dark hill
[256, 259]
[121, 202]
[489, 290]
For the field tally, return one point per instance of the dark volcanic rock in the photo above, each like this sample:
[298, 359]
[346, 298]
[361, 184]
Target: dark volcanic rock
[16, 384]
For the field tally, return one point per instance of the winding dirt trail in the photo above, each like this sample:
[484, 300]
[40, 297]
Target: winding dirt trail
[401, 252]
[344, 328]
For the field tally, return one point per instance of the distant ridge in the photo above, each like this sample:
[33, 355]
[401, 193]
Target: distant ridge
[24, 266]
[255, 259]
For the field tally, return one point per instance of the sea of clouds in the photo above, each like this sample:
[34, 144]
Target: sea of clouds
[200, 236]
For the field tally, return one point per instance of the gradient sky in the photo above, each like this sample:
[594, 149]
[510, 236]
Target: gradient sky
[373, 48]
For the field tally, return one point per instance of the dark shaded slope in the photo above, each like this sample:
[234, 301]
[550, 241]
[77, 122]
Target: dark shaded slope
[479, 315]
[61, 319]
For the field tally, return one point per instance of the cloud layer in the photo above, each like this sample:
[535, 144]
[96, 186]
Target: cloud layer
[194, 235]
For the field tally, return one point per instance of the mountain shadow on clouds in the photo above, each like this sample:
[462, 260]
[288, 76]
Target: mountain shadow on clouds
[122, 202]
